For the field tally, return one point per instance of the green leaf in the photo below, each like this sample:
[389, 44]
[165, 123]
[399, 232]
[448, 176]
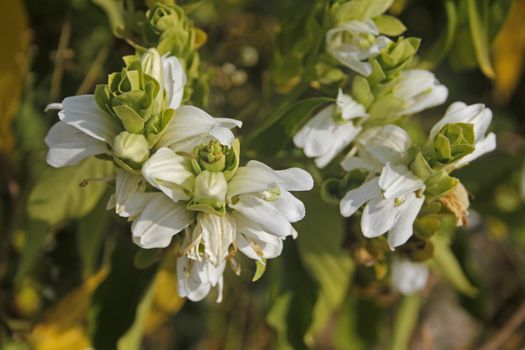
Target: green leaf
[114, 10]
[114, 303]
[58, 196]
[480, 38]
[325, 259]
[447, 264]
[405, 322]
[390, 25]
[442, 46]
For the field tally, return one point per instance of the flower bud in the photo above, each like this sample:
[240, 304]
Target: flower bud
[168, 28]
[453, 142]
[131, 147]
[209, 195]
[212, 157]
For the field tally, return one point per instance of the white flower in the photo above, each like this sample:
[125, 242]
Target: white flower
[196, 278]
[258, 216]
[419, 89]
[477, 115]
[408, 277]
[191, 126]
[391, 204]
[376, 146]
[323, 137]
[353, 42]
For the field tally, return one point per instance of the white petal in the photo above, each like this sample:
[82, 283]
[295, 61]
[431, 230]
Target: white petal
[190, 283]
[258, 250]
[229, 123]
[174, 80]
[484, 146]
[257, 177]
[130, 198]
[458, 112]
[378, 217]
[403, 228]
[218, 233]
[170, 173]
[355, 198]
[191, 126]
[223, 135]
[349, 107]
[397, 180]
[268, 214]
[408, 277]
[314, 135]
[83, 113]
[159, 222]
[68, 145]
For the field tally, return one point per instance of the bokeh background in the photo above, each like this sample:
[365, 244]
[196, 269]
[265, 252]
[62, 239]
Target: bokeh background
[68, 271]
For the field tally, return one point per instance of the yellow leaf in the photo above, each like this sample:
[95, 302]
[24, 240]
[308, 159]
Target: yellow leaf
[509, 54]
[14, 36]
[63, 325]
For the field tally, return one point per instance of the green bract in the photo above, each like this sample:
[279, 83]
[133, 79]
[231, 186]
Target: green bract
[131, 96]
[393, 59]
[168, 28]
[453, 142]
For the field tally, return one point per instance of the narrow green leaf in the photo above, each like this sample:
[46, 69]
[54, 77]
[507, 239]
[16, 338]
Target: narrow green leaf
[439, 50]
[288, 123]
[144, 258]
[276, 318]
[447, 264]
[114, 10]
[132, 339]
[259, 271]
[325, 259]
[114, 303]
[479, 34]
[405, 322]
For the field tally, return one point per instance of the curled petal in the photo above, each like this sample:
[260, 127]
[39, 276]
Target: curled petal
[68, 145]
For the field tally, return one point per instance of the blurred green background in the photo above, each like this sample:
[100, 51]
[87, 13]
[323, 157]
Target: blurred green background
[69, 274]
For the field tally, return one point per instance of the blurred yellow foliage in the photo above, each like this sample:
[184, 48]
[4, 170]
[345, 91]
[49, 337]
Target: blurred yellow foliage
[62, 327]
[14, 36]
[509, 53]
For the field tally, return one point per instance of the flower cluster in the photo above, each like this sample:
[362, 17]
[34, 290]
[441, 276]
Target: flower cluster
[178, 168]
[399, 189]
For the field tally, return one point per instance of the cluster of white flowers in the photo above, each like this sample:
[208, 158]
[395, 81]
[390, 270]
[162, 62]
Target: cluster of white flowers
[384, 92]
[179, 173]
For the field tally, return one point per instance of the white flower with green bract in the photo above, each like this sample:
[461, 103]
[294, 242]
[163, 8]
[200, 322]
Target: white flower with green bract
[222, 208]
